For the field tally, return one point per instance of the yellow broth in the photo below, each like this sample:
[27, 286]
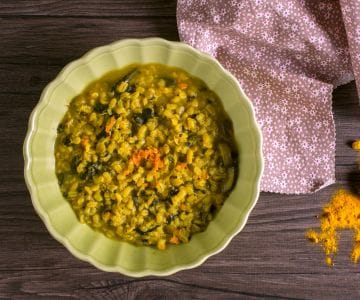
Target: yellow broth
[146, 154]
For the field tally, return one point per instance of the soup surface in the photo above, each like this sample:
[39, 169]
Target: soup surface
[146, 154]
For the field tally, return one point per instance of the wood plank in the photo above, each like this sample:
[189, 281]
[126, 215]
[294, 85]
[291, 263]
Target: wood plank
[92, 8]
[237, 280]
[50, 41]
[345, 95]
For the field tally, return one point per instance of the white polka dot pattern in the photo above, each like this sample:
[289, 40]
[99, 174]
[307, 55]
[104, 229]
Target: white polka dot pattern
[288, 55]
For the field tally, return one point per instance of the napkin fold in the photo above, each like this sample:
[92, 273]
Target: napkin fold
[288, 56]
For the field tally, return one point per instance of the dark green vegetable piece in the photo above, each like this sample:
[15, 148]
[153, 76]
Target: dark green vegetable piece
[125, 78]
[60, 128]
[74, 163]
[169, 81]
[136, 201]
[203, 88]
[101, 135]
[171, 161]
[173, 191]
[213, 209]
[182, 157]
[230, 180]
[141, 232]
[227, 129]
[138, 118]
[130, 75]
[131, 88]
[100, 108]
[170, 218]
[147, 113]
[234, 155]
[135, 198]
[192, 138]
[225, 152]
[154, 203]
[91, 170]
[61, 178]
[66, 140]
[144, 116]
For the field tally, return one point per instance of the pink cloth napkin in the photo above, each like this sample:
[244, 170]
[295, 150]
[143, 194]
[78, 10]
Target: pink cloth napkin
[288, 56]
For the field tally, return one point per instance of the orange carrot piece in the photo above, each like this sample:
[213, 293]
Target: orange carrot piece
[136, 158]
[174, 240]
[151, 154]
[180, 166]
[110, 124]
[183, 85]
[84, 141]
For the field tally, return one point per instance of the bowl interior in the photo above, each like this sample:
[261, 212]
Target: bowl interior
[57, 213]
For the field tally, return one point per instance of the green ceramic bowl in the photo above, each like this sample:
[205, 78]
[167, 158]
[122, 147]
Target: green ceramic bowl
[94, 247]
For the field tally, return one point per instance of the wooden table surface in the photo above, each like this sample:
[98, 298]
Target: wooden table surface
[270, 258]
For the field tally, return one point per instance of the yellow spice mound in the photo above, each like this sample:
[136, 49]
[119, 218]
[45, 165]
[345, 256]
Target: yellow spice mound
[342, 212]
[356, 145]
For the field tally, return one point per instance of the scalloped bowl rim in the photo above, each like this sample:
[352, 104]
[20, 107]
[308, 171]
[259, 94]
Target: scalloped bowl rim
[31, 132]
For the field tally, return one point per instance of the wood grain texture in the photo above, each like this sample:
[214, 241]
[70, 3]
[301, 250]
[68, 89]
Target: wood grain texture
[80, 8]
[270, 258]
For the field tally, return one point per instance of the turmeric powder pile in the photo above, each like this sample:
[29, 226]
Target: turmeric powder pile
[342, 212]
[356, 145]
